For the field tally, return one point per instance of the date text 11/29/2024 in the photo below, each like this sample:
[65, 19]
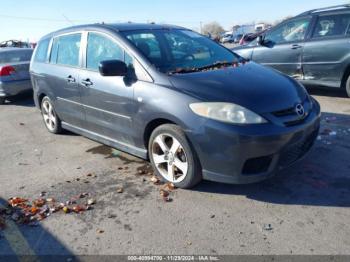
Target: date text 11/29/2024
[173, 258]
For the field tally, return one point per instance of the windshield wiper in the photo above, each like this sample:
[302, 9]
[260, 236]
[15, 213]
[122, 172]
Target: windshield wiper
[218, 64]
[184, 70]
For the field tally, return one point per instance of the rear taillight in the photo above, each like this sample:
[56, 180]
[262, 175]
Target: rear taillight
[7, 70]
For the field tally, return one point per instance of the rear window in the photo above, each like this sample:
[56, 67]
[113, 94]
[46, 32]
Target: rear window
[15, 56]
[41, 51]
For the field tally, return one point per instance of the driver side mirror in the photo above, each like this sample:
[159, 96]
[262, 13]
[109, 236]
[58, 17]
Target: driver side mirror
[113, 68]
[263, 41]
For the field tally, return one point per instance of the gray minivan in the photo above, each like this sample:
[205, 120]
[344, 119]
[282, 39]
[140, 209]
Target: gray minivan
[165, 93]
[313, 47]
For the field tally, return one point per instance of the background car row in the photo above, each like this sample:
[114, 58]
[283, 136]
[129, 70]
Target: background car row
[14, 72]
[312, 47]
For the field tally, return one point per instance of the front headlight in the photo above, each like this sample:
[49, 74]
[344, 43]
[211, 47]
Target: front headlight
[227, 112]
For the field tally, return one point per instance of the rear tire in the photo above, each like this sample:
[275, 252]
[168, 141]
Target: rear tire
[2, 100]
[347, 86]
[51, 120]
[169, 149]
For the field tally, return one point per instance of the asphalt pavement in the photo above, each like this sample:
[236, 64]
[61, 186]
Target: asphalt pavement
[303, 210]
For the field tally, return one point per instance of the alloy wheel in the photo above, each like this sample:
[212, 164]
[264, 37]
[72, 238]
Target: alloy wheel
[49, 115]
[169, 158]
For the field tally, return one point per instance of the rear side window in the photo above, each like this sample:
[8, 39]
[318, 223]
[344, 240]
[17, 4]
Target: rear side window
[101, 48]
[15, 56]
[41, 51]
[332, 26]
[65, 50]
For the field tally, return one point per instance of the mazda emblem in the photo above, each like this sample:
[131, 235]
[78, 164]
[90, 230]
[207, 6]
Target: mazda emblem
[299, 109]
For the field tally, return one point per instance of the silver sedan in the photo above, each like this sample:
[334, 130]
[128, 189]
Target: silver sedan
[14, 71]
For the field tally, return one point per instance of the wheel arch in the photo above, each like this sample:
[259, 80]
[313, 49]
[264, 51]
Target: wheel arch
[197, 167]
[345, 76]
[152, 125]
[40, 99]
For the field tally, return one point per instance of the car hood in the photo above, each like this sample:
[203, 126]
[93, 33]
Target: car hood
[253, 86]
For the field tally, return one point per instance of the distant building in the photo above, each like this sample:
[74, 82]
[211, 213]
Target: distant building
[261, 27]
[249, 28]
[243, 29]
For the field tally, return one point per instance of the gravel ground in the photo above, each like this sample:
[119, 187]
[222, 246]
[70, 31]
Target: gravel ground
[303, 210]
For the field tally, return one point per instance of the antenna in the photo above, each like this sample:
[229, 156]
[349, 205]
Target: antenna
[68, 20]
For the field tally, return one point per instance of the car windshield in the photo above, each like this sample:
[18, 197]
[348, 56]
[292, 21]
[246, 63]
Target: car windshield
[180, 51]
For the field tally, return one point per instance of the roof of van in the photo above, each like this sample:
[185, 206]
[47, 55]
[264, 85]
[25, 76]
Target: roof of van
[326, 9]
[135, 26]
[119, 27]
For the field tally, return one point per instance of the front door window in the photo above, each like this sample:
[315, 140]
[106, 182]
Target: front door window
[100, 48]
[292, 31]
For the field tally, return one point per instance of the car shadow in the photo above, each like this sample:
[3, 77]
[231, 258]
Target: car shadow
[322, 178]
[326, 91]
[26, 243]
[25, 99]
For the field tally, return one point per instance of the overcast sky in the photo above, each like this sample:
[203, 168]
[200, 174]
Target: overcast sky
[23, 19]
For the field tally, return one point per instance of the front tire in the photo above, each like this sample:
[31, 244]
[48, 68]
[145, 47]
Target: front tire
[173, 158]
[347, 86]
[2, 100]
[51, 120]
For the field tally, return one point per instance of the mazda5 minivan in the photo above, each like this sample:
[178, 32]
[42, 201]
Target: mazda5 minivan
[195, 109]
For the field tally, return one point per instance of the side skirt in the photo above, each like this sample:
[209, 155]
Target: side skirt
[142, 153]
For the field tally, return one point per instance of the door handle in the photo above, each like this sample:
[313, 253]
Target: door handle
[87, 82]
[70, 79]
[296, 46]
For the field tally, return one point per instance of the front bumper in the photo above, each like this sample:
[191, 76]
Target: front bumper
[248, 154]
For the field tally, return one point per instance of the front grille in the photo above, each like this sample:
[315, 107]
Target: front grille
[298, 150]
[257, 165]
[294, 122]
[284, 112]
[289, 117]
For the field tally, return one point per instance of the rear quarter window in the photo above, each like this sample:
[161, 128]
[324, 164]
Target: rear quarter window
[41, 51]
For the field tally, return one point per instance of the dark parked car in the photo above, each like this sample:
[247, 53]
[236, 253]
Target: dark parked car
[14, 43]
[14, 72]
[238, 38]
[248, 38]
[194, 108]
[312, 47]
